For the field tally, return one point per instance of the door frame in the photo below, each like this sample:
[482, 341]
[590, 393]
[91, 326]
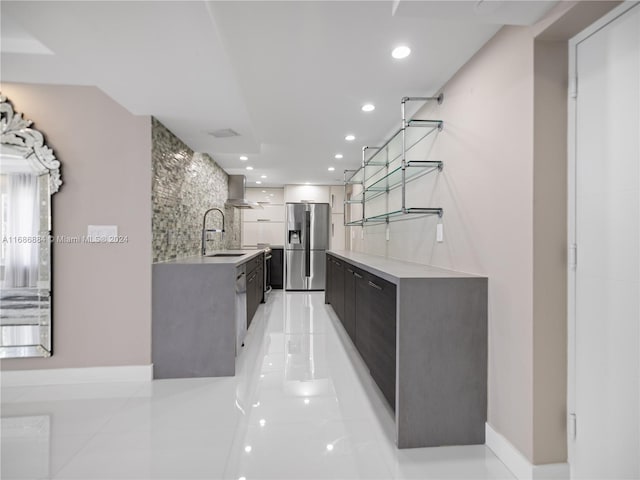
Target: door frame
[571, 213]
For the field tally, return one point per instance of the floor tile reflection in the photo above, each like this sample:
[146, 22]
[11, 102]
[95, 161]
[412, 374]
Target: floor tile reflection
[302, 405]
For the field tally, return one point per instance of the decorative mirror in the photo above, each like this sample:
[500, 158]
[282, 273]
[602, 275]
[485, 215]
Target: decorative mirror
[29, 175]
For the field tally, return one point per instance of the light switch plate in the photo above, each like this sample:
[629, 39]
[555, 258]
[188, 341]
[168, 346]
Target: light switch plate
[102, 233]
[439, 233]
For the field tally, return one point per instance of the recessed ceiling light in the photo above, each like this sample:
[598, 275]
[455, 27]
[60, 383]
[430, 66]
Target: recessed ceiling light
[368, 107]
[331, 169]
[401, 51]
[258, 182]
[329, 447]
[350, 138]
[248, 448]
[264, 191]
[262, 422]
[263, 176]
[307, 183]
[306, 401]
[244, 158]
[338, 156]
[249, 168]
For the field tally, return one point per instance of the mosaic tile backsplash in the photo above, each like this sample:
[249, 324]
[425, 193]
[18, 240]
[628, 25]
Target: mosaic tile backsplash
[185, 185]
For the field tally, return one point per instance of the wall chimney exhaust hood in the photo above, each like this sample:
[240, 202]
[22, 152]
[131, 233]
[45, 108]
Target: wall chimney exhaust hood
[237, 197]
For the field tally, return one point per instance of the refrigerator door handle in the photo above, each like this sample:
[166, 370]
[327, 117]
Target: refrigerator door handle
[307, 244]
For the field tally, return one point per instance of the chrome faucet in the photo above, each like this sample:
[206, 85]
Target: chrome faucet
[212, 230]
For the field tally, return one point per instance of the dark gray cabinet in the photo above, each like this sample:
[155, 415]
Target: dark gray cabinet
[255, 286]
[337, 288]
[362, 317]
[328, 288]
[349, 320]
[430, 326]
[381, 341]
[277, 268]
[366, 307]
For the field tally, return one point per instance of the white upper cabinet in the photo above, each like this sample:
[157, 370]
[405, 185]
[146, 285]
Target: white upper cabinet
[336, 199]
[307, 193]
[262, 232]
[266, 195]
[268, 213]
[266, 224]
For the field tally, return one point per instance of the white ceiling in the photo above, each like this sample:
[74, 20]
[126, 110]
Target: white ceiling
[289, 76]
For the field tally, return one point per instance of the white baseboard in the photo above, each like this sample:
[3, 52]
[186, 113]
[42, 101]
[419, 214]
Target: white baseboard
[518, 464]
[66, 376]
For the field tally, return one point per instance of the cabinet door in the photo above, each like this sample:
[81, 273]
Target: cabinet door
[382, 335]
[363, 313]
[277, 268]
[328, 278]
[306, 193]
[251, 297]
[338, 288]
[260, 285]
[262, 232]
[268, 213]
[350, 301]
[265, 195]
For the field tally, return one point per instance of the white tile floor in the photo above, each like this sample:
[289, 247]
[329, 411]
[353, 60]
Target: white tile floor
[301, 406]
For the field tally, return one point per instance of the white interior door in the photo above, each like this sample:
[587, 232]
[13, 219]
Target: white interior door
[605, 328]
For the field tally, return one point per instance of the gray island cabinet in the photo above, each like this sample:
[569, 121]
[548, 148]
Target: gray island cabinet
[201, 308]
[422, 333]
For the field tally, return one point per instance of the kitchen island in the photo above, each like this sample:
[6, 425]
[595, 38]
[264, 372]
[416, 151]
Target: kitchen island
[201, 308]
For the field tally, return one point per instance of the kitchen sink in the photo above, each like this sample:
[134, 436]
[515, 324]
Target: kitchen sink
[225, 255]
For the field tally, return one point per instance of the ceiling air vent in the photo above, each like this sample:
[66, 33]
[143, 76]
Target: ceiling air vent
[224, 133]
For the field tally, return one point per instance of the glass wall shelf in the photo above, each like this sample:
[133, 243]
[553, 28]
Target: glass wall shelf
[375, 160]
[394, 170]
[390, 216]
[393, 179]
[354, 177]
[355, 223]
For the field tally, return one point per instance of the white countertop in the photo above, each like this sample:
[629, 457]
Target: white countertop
[211, 260]
[395, 270]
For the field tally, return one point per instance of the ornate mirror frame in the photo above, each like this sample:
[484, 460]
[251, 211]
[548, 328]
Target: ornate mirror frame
[26, 310]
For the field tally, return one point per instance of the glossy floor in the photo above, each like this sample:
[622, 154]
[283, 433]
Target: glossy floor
[301, 406]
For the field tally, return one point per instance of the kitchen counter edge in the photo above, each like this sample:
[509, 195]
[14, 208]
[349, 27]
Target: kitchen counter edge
[200, 260]
[396, 270]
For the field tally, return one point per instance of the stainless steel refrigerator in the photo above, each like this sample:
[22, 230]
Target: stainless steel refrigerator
[306, 242]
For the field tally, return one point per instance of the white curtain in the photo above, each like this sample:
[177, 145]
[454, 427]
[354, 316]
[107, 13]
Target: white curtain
[21, 218]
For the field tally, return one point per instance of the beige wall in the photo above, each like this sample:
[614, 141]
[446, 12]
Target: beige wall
[102, 292]
[503, 190]
[549, 251]
[486, 191]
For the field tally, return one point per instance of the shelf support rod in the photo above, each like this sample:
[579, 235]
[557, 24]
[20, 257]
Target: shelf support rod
[344, 201]
[364, 155]
[439, 99]
[404, 155]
